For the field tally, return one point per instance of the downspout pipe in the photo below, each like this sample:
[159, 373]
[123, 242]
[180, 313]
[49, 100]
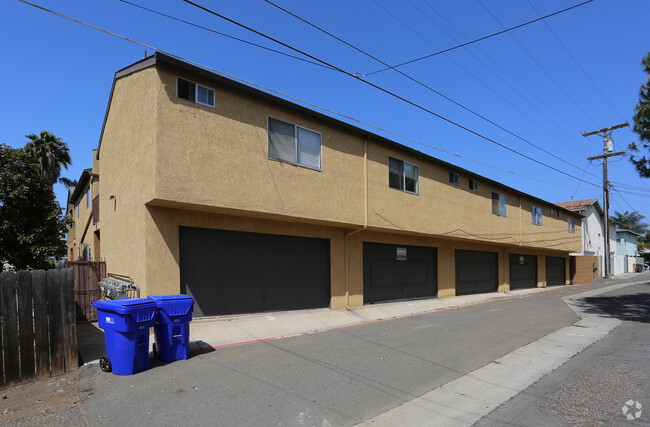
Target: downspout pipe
[365, 222]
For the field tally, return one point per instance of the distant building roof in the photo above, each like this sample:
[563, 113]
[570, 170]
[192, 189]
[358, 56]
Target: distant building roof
[622, 230]
[577, 205]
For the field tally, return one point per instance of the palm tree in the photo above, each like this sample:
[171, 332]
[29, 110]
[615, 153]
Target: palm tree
[630, 221]
[51, 153]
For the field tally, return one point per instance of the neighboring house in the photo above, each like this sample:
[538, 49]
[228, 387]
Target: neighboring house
[83, 207]
[251, 203]
[626, 250]
[593, 226]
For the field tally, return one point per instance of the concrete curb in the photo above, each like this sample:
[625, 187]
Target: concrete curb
[467, 399]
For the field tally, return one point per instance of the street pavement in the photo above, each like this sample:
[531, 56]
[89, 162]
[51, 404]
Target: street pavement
[389, 360]
[338, 377]
[599, 384]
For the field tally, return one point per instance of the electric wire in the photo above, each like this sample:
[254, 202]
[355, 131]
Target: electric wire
[223, 34]
[550, 29]
[504, 71]
[424, 85]
[386, 91]
[275, 91]
[477, 40]
[583, 174]
[541, 67]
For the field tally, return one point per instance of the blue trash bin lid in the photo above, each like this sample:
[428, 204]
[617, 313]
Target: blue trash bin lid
[124, 305]
[174, 305]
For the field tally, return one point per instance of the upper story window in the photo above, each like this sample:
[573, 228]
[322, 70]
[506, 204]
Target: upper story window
[536, 212]
[473, 184]
[194, 92]
[88, 198]
[78, 210]
[499, 204]
[403, 176]
[559, 214]
[294, 144]
[551, 211]
[454, 178]
[572, 225]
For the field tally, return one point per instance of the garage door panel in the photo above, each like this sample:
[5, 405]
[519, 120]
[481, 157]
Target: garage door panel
[555, 271]
[398, 272]
[523, 271]
[388, 273]
[476, 272]
[232, 272]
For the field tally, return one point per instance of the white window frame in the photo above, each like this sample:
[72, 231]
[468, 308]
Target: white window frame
[403, 176]
[196, 92]
[571, 225]
[88, 198]
[454, 178]
[502, 199]
[536, 214]
[295, 141]
[473, 184]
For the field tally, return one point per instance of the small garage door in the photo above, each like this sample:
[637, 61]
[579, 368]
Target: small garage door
[555, 271]
[397, 272]
[232, 272]
[523, 271]
[476, 272]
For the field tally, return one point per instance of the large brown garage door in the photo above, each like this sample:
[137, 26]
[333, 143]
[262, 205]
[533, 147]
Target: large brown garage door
[396, 272]
[232, 272]
[476, 272]
[555, 271]
[523, 271]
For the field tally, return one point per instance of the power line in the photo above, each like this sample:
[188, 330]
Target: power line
[386, 91]
[424, 85]
[504, 71]
[541, 67]
[577, 63]
[279, 93]
[223, 34]
[476, 77]
[479, 39]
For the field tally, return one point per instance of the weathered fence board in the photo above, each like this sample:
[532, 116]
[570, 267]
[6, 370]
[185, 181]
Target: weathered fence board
[41, 327]
[26, 326]
[10, 329]
[68, 312]
[56, 321]
[38, 333]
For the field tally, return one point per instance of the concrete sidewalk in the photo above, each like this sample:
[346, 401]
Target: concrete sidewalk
[214, 332]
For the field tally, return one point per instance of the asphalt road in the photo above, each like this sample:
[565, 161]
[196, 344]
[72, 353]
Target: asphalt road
[339, 377]
[595, 386]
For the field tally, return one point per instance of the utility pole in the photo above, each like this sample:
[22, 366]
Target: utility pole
[608, 147]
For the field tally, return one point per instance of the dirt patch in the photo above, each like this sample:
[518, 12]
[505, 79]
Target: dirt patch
[41, 396]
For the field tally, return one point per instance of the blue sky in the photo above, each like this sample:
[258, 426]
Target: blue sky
[546, 83]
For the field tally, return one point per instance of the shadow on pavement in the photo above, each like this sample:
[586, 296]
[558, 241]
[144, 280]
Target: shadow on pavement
[633, 307]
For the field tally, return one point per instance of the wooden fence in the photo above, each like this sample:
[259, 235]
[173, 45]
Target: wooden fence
[87, 275]
[39, 337]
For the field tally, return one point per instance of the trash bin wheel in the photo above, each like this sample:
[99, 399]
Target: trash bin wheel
[105, 363]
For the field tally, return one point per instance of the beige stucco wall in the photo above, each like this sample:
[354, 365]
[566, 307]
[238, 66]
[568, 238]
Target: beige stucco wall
[169, 162]
[128, 156]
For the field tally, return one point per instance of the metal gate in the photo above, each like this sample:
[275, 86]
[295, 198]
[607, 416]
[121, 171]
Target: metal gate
[87, 275]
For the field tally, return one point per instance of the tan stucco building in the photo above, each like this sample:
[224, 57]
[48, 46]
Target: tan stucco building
[83, 238]
[250, 203]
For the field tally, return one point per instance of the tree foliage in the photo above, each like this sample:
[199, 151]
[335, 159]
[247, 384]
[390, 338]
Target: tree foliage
[32, 225]
[642, 124]
[630, 221]
[51, 153]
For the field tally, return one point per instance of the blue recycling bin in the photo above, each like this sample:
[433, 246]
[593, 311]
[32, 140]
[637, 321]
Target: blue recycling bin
[172, 327]
[126, 323]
